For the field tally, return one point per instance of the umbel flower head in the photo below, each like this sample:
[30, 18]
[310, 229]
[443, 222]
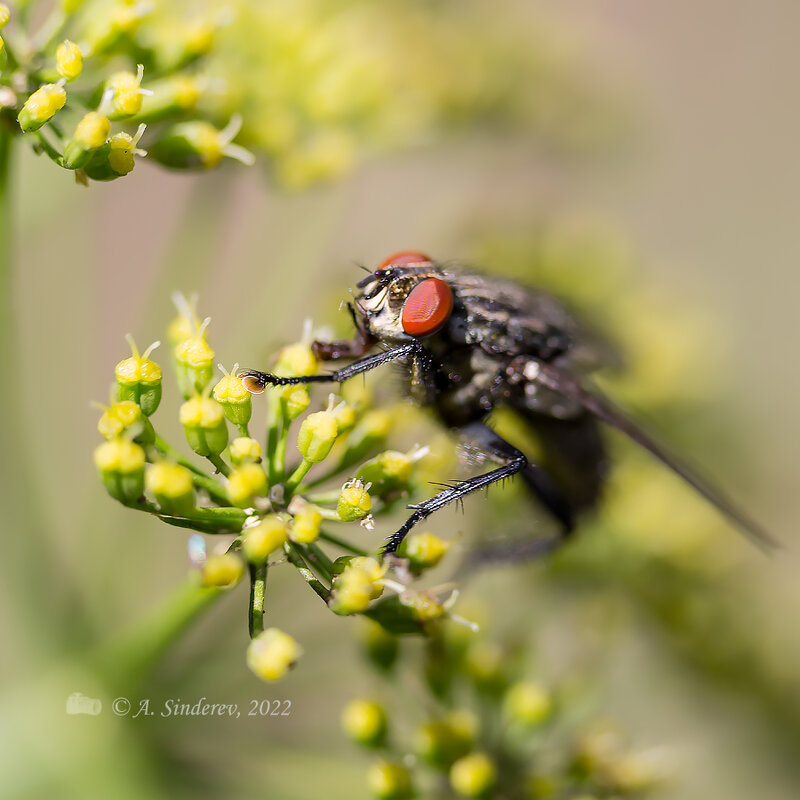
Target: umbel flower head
[275, 501]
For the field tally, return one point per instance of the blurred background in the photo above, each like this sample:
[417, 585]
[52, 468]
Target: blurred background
[637, 158]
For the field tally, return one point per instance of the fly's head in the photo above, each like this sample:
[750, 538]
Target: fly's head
[406, 298]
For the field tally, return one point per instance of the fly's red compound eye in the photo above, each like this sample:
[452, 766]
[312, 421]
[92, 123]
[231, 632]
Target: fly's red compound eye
[427, 307]
[405, 257]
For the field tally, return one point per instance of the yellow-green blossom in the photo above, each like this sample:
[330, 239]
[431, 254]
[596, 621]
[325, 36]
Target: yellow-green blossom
[41, 106]
[69, 60]
[272, 654]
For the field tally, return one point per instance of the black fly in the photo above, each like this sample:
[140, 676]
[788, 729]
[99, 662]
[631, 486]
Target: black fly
[469, 343]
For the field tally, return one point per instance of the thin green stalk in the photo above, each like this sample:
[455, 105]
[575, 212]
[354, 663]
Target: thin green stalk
[220, 465]
[258, 587]
[296, 477]
[308, 576]
[133, 652]
[318, 558]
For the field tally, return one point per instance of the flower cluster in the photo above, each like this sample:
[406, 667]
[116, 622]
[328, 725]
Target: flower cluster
[85, 83]
[272, 504]
[490, 729]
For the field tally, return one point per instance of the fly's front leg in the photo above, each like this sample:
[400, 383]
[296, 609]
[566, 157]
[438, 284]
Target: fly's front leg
[346, 348]
[255, 381]
[494, 446]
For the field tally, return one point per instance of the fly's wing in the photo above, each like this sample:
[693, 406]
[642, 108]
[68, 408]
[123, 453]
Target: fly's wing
[503, 317]
[563, 383]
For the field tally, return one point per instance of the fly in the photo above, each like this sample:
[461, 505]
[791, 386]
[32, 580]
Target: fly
[469, 343]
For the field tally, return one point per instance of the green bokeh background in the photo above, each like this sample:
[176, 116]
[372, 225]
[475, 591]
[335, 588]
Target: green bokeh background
[708, 190]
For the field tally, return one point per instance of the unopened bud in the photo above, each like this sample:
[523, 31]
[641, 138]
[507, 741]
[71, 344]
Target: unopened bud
[172, 486]
[245, 483]
[188, 145]
[69, 60]
[121, 467]
[125, 417]
[194, 361]
[527, 703]
[424, 550]
[222, 571]
[244, 450]
[235, 400]
[473, 775]
[387, 472]
[264, 538]
[204, 424]
[390, 781]
[364, 721]
[41, 106]
[272, 654]
[317, 435]
[306, 525]
[90, 134]
[139, 379]
[294, 401]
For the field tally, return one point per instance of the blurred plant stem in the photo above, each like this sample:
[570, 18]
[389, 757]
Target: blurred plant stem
[6, 281]
[126, 659]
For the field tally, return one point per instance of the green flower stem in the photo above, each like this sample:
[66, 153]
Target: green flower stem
[275, 424]
[278, 459]
[341, 543]
[244, 430]
[220, 465]
[200, 479]
[323, 498]
[213, 520]
[329, 513]
[296, 559]
[258, 586]
[132, 653]
[48, 148]
[6, 241]
[318, 558]
[296, 477]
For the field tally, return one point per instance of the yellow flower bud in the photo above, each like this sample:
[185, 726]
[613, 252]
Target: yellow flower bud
[244, 450]
[346, 417]
[235, 400]
[126, 417]
[126, 93]
[69, 60]
[442, 741]
[424, 550]
[295, 360]
[41, 106]
[139, 379]
[294, 400]
[245, 484]
[199, 144]
[272, 653]
[390, 781]
[121, 467]
[222, 571]
[92, 131]
[306, 525]
[527, 704]
[425, 607]
[195, 364]
[473, 775]
[172, 486]
[5, 15]
[262, 539]
[369, 433]
[204, 425]
[387, 472]
[364, 721]
[357, 585]
[317, 435]
[354, 502]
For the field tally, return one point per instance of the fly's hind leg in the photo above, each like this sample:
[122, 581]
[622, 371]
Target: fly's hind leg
[488, 442]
